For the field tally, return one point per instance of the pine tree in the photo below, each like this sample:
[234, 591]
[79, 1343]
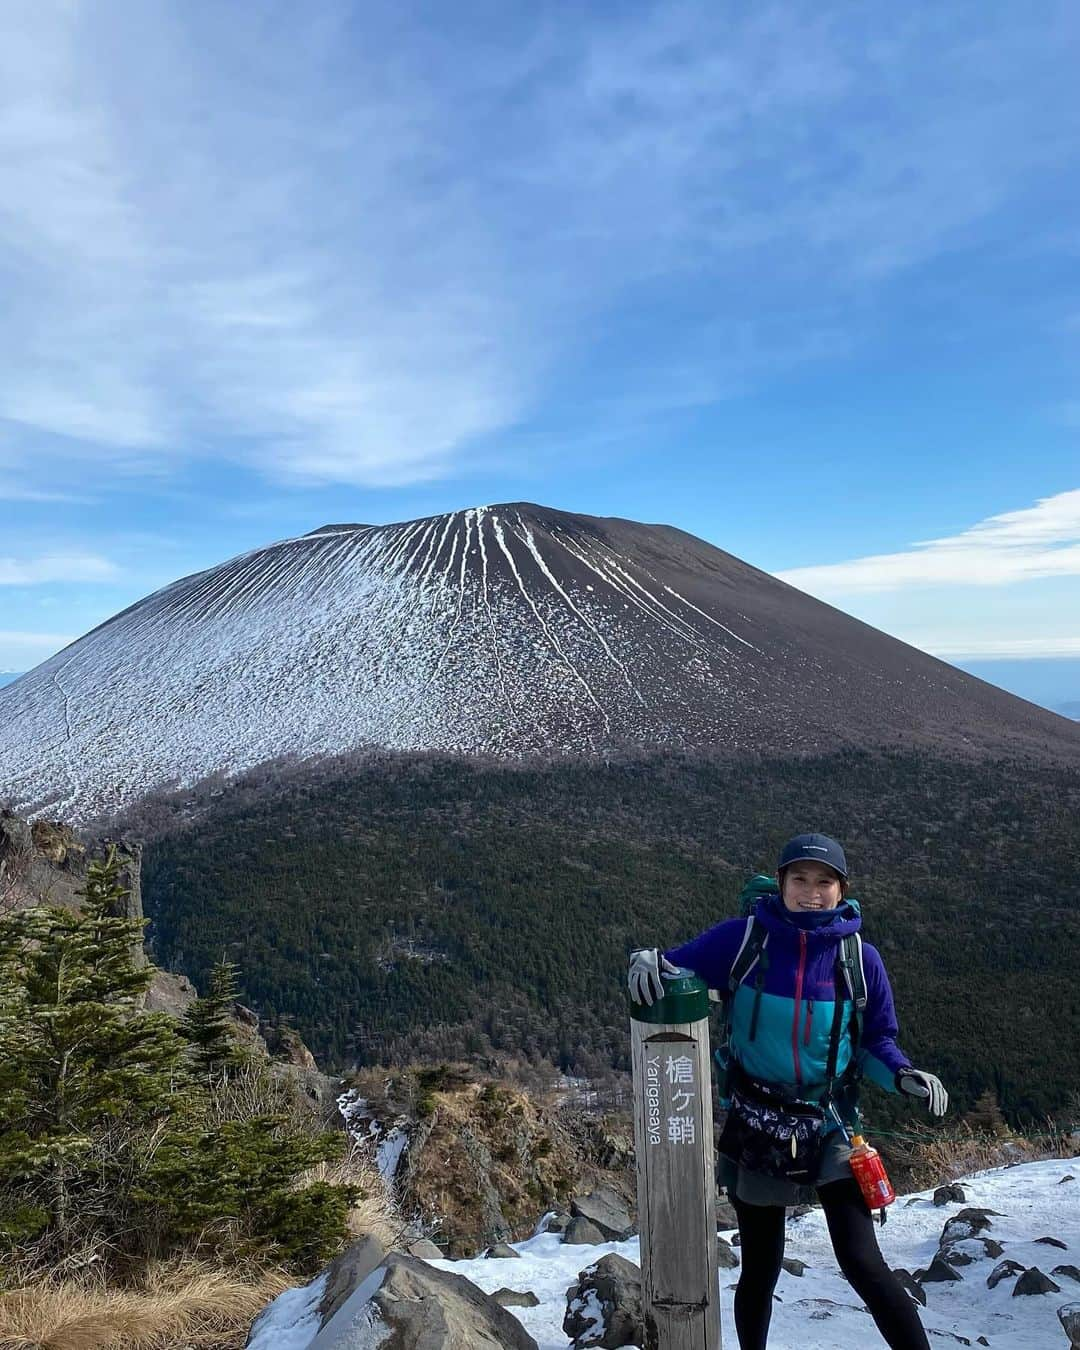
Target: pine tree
[986, 1115]
[208, 1025]
[76, 1051]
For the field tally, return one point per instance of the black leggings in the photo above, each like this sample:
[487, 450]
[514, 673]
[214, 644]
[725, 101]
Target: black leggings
[851, 1227]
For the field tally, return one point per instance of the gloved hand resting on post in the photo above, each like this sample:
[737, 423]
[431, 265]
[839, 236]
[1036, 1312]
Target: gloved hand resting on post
[917, 1083]
[646, 966]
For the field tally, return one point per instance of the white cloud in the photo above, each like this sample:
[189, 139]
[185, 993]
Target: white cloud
[56, 567]
[1040, 541]
[344, 248]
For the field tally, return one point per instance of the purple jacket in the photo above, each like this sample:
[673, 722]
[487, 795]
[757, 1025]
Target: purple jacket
[796, 1009]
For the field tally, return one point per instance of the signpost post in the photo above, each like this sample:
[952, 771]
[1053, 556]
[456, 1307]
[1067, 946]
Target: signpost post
[673, 1138]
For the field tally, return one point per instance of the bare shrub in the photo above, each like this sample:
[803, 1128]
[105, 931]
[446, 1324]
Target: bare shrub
[924, 1157]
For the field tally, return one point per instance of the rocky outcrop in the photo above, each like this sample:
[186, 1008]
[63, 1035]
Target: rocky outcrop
[952, 1193]
[582, 1232]
[606, 1210]
[604, 1308]
[417, 1307]
[396, 1302]
[482, 1159]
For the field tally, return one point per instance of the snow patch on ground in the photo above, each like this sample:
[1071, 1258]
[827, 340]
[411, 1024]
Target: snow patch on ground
[817, 1311]
[292, 1320]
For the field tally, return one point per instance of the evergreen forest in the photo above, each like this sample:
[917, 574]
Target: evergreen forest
[405, 908]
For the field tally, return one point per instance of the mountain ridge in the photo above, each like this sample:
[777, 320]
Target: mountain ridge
[511, 630]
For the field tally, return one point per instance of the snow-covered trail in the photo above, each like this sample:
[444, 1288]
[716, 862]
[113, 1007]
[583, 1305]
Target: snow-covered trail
[819, 1311]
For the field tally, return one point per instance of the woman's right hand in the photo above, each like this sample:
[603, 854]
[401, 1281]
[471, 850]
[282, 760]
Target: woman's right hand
[647, 965]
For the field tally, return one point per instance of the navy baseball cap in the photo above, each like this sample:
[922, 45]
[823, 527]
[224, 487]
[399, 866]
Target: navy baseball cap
[813, 848]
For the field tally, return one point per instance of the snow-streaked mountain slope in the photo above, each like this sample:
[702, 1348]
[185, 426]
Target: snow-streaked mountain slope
[818, 1310]
[499, 630]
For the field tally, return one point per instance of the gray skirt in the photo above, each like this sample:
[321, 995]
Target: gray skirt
[754, 1189]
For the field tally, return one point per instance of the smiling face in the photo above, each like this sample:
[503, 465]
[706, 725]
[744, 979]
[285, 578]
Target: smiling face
[811, 885]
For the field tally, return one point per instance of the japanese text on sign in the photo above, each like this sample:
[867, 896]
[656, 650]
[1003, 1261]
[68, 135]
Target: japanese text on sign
[670, 1115]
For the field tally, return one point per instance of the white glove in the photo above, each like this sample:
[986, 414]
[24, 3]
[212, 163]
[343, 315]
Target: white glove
[917, 1083]
[646, 967]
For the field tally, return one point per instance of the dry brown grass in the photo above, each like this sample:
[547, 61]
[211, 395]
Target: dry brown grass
[924, 1158]
[173, 1306]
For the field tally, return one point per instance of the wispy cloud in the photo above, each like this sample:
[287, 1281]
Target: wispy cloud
[1000, 648]
[55, 567]
[342, 247]
[1036, 542]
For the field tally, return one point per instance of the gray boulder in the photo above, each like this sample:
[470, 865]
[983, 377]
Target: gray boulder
[1070, 1272]
[502, 1251]
[515, 1298]
[726, 1218]
[939, 1272]
[968, 1223]
[726, 1259]
[605, 1209]
[911, 1285]
[410, 1305]
[793, 1266]
[347, 1272]
[425, 1249]
[1053, 1242]
[1033, 1281]
[583, 1232]
[604, 1308]
[557, 1223]
[1003, 1271]
[1069, 1317]
[964, 1251]
[953, 1193]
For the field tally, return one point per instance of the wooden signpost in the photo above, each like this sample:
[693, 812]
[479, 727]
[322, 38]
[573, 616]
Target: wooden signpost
[673, 1137]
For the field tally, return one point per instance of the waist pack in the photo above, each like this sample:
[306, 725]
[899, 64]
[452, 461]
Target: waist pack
[772, 1135]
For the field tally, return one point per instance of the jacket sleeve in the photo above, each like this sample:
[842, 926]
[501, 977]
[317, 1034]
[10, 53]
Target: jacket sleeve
[879, 1055]
[711, 953]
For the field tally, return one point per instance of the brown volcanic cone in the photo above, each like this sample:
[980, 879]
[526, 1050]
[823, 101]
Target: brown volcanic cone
[503, 630]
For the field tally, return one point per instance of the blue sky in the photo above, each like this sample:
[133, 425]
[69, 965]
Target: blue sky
[800, 278]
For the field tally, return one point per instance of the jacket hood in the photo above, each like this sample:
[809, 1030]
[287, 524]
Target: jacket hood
[845, 919]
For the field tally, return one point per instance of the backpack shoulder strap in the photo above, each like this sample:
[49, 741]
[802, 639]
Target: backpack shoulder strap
[749, 954]
[851, 963]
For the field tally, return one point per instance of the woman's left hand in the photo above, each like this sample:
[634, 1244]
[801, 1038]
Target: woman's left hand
[917, 1083]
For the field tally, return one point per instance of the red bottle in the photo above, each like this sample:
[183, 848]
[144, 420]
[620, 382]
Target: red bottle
[870, 1173]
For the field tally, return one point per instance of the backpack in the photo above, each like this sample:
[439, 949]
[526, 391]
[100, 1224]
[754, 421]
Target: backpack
[753, 952]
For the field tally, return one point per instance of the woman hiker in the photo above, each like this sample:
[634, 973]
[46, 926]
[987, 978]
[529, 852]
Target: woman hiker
[796, 1048]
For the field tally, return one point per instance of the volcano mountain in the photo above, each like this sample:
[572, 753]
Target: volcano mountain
[501, 631]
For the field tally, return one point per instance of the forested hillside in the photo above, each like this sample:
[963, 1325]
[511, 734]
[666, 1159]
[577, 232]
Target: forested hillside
[432, 907]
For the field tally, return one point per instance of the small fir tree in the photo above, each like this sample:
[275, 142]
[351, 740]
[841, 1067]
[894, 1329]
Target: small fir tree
[75, 1049]
[208, 1025]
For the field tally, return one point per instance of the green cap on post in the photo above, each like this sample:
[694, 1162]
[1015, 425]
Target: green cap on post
[686, 999]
